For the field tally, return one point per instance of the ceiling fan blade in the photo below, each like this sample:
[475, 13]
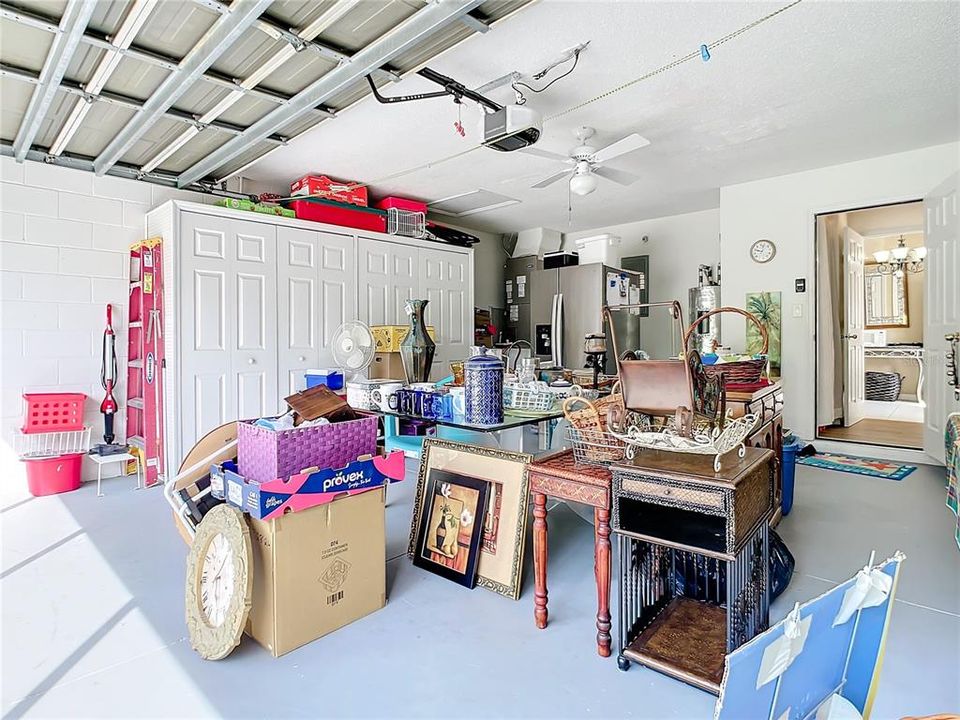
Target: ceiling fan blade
[620, 147]
[618, 176]
[552, 179]
[545, 154]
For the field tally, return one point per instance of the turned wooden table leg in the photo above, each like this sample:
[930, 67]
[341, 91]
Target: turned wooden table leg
[540, 559]
[601, 526]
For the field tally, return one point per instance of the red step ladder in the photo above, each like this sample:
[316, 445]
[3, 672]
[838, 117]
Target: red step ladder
[145, 361]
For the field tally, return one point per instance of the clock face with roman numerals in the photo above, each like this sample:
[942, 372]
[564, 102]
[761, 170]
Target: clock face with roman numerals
[763, 251]
[219, 582]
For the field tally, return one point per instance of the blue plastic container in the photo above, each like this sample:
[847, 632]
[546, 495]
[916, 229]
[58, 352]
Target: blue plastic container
[789, 473]
[333, 379]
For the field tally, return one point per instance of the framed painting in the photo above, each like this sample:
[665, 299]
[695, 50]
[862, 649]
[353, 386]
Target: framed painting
[766, 306]
[504, 521]
[450, 528]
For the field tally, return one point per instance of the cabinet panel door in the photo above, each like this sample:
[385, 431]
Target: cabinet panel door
[298, 261]
[207, 334]
[404, 281]
[457, 307]
[373, 276]
[444, 282]
[254, 355]
[337, 287]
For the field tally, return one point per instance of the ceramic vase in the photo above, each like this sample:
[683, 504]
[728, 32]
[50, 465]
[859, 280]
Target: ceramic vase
[417, 348]
[483, 390]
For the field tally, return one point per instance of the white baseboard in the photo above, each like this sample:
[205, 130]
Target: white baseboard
[881, 452]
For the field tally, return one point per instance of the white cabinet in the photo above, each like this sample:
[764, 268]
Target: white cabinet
[388, 277]
[251, 301]
[444, 281]
[317, 292]
[228, 340]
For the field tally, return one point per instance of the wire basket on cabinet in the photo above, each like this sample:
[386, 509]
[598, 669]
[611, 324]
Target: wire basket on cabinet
[406, 222]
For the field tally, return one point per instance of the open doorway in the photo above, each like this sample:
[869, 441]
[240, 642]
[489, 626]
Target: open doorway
[870, 315]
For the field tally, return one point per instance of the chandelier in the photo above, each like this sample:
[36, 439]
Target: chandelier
[899, 259]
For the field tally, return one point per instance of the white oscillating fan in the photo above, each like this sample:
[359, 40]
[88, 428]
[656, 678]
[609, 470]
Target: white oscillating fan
[353, 348]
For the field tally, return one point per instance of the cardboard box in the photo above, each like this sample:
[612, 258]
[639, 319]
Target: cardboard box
[301, 491]
[322, 186]
[317, 570]
[388, 366]
[389, 337]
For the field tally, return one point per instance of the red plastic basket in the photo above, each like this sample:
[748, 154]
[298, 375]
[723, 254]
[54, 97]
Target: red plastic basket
[49, 476]
[53, 412]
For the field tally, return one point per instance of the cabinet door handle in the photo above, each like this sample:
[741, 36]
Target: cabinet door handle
[848, 337]
[302, 358]
[251, 361]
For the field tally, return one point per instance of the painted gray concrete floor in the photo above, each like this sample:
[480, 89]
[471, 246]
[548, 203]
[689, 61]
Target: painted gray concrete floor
[92, 592]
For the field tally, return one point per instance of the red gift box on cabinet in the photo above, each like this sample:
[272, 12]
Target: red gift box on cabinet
[322, 186]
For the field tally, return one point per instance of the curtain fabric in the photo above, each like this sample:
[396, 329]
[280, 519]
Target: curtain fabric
[829, 319]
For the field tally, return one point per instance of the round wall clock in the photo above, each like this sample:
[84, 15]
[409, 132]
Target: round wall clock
[219, 582]
[763, 251]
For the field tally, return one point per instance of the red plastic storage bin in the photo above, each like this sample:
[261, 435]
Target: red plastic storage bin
[53, 412]
[399, 203]
[49, 476]
[334, 213]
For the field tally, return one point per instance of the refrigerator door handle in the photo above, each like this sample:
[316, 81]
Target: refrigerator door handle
[553, 330]
[558, 342]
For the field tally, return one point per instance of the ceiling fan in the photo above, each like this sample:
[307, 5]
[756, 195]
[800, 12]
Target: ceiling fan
[586, 162]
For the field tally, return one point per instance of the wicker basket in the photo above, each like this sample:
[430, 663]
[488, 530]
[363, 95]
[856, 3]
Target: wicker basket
[592, 444]
[741, 371]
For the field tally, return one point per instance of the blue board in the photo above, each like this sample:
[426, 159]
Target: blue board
[817, 672]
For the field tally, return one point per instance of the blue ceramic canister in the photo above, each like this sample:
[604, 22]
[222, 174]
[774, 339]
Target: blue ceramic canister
[483, 390]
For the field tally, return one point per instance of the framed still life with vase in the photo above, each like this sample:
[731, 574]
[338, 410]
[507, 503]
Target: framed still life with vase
[450, 527]
[503, 521]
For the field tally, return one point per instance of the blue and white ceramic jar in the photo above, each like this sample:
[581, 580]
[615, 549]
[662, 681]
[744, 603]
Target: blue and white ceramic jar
[483, 390]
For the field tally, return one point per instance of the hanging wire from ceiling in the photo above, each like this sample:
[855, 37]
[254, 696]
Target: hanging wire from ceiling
[521, 98]
[698, 53]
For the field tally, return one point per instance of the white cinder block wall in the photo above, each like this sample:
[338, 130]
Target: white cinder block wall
[64, 239]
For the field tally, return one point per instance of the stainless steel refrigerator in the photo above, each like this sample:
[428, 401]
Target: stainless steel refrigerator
[559, 307]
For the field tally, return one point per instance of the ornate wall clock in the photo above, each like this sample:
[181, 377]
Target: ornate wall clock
[219, 582]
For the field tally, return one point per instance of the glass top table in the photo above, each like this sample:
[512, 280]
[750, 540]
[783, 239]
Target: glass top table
[509, 432]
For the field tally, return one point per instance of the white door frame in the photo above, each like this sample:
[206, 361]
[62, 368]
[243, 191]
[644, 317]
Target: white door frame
[813, 212]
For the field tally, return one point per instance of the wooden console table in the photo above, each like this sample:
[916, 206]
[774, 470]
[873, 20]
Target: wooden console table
[558, 476]
[693, 560]
[767, 404]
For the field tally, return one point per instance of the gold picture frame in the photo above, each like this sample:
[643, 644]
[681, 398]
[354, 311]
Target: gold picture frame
[500, 567]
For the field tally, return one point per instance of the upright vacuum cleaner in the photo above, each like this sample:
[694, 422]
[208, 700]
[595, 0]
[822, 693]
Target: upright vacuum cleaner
[108, 379]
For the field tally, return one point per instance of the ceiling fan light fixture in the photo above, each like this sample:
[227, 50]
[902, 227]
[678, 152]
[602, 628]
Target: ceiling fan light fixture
[583, 184]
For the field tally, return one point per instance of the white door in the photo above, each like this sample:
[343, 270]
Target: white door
[229, 320]
[298, 260]
[941, 310]
[337, 287]
[853, 310]
[404, 280]
[254, 356]
[206, 398]
[373, 282]
[445, 282]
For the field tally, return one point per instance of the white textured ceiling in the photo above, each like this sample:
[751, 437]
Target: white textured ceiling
[823, 83]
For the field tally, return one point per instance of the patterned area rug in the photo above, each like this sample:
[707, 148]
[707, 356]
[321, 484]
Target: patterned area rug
[858, 465]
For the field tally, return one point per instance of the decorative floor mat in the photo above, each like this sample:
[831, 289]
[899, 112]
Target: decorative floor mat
[858, 465]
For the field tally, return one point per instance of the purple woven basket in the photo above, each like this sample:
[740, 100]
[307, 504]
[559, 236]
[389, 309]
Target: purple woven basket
[265, 454]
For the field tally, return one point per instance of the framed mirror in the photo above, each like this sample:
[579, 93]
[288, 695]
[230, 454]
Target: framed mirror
[885, 299]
